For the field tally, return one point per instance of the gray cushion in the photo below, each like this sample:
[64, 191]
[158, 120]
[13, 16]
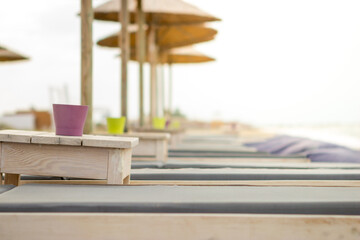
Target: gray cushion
[173, 164]
[135, 164]
[182, 199]
[5, 188]
[233, 174]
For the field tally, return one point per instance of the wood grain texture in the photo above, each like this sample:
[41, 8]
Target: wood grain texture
[109, 141]
[91, 226]
[51, 138]
[49, 160]
[19, 136]
[115, 167]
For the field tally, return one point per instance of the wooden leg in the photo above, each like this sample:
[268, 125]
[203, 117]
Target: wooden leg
[161, 150]
[126, 180]
[1, 177]
[119, 165]
[114, 175]
[13, 179]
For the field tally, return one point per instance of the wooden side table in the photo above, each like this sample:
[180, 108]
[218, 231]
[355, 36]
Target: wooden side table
[47, 154]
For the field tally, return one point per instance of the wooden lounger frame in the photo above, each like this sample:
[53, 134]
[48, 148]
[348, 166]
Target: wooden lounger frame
[91, 226]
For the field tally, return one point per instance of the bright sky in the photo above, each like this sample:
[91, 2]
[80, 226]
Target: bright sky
[278, 61]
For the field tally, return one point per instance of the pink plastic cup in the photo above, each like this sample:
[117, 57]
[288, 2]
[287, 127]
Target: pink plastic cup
[69, 119]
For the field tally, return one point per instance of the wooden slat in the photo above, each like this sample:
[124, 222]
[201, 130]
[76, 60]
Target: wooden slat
[49, 160]
[148, 135]
[109, 141]
[51, 138]
[18, 136]
[91, 226]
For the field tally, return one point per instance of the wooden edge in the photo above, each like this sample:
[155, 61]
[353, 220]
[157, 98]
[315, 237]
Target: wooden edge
[147, 135]
[18, 136]
[300, 183]
[91, 226]
[51, 138]
[109, 141]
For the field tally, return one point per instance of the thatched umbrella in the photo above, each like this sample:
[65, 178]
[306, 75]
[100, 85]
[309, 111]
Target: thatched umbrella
[169, 36]
[9, 56]
[157, 12]
[152, 12]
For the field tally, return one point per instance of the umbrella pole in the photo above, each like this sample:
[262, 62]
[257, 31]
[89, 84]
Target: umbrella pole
[152, 60]
[162, 90]
[141, 56]
[125, 47]
[170, 90]
[86, 60]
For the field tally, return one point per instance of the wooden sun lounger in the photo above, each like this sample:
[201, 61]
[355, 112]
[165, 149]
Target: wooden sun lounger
[176, 134]
[153, 146]
[46, 154]
[304, 213]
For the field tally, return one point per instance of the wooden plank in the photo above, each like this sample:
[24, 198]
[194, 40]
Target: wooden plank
[148, 135]
[91, 226]
[86, 60]
[19, 136]
[109, 141]
[13, 179]
[52, 138]
[49, 160]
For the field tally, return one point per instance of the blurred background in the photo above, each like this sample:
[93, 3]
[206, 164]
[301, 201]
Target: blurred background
[283, 66]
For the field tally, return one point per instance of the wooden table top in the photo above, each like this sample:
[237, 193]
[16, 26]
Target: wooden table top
[38, 137]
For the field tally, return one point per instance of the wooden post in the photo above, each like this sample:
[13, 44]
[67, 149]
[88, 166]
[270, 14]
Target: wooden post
[124, 45]
[170, 90]
[86, 60]
[141, 57]
[153, 60]
[162, 109]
